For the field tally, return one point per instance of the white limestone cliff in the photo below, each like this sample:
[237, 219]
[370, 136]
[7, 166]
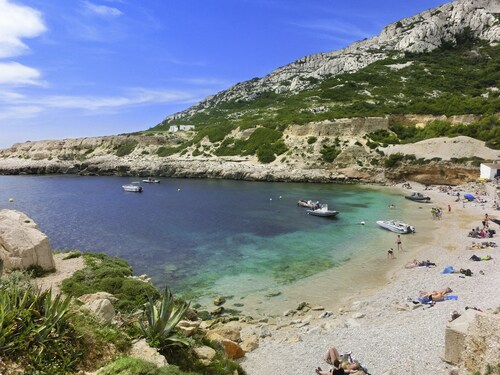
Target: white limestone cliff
[423, 32]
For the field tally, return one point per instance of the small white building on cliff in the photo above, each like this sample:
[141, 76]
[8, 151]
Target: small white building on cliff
[182, 128]
[490, 170]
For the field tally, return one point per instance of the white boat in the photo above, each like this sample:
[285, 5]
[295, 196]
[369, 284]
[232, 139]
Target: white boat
[323, 211]
[151, 181]
[396, 226]
[133, 187]
[307, 203]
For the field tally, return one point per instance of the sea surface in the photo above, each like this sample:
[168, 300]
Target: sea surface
[203, 237]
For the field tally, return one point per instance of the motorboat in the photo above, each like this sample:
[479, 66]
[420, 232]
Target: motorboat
[396, 226]
[307, 203]
[322, 211]
[418, 197]
[151, 180]
[134, 187]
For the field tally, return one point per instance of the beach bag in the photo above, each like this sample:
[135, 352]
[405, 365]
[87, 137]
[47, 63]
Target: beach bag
[475, 258]
[468, 272]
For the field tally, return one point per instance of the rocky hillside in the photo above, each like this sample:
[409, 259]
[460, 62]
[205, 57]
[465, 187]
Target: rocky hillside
[337, 150]
[348, 115]
[446, 26]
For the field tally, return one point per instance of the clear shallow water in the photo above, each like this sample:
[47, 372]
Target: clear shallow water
[210, 231]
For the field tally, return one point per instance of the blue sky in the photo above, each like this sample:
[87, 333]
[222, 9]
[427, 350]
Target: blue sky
[82, 68]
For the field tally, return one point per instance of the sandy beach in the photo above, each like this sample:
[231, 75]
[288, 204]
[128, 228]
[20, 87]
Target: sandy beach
[382, 327]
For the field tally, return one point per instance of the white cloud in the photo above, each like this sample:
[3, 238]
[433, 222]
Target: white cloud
[131, 98]
[17, 22]
[13, 73]
[204, 81]
[332, 29]
[19, 112]
[102, 10]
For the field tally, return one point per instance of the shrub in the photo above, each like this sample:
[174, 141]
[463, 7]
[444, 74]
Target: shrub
[107, 274]
[135, 366]
[383, 136]
[73, 254]
[329, 153]
[265, 154]
[393, 160]
[165, 151]
[126, 148]
[35, 331]
[162, 320]
[311, 140]
[37, 271]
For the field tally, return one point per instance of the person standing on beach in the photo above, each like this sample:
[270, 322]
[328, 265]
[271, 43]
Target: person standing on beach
[449, 208]
[398, 243]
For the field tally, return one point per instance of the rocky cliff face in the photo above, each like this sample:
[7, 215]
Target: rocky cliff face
[357, 162]
[421, 33]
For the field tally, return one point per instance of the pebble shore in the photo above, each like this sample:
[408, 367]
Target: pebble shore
[386, 331]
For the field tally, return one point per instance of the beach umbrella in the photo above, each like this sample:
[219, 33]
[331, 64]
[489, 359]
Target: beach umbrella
[469, 197]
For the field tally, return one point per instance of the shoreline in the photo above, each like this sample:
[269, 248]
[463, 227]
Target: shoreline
[370, 270]
[378, 316]
[381, 319]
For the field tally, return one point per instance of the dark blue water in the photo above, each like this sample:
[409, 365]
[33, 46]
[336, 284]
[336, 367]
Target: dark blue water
[192, 234]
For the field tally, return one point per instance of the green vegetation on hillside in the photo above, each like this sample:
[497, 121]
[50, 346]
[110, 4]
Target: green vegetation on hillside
[487, 129]
[126, 148]
[453, 80]
[447, 81]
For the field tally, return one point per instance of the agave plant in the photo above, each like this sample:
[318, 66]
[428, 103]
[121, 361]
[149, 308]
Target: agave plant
[162, 320]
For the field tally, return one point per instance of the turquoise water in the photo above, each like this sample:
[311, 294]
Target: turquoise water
[194, 234]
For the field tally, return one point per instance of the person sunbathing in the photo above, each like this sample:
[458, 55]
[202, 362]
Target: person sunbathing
[435, 295]
[341, 364]
[416, 263]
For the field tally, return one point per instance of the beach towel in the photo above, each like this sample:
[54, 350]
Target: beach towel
[451, 297]
[448, 269]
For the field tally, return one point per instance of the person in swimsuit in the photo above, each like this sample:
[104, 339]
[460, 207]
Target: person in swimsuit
[398, 243]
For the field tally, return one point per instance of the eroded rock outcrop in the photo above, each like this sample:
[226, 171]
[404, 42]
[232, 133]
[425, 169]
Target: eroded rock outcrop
[22, 244]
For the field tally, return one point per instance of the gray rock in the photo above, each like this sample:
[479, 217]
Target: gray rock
[102, 309]
[264, 331]
[142, 350]
[22, 244]
[325, 314]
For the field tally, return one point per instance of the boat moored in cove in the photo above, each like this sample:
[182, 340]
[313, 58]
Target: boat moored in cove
[323, 211]
[307, 203]
[151, 180]
[418, 197]
[133, 187]
[396, 226]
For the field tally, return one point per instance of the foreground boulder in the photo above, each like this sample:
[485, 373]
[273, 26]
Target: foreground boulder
[482, 344]
[142, 350]
[22, 244]
[472, 340]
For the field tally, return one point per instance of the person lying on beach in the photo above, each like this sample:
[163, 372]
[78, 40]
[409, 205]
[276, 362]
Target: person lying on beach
[435, 295]
[483, 245]
[477, 259]
[341, 364]
[416, 263]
